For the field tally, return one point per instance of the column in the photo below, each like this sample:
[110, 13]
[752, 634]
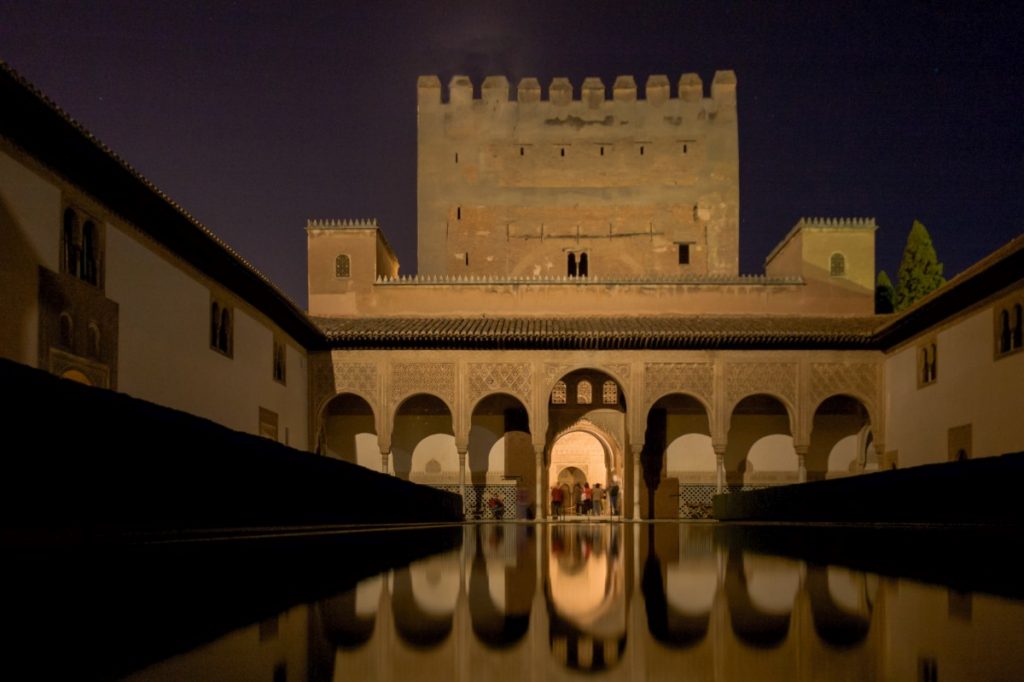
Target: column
[719, 467]
[462, 478]
[801, 461]
[385, 454]
[636, 449]
[542, 497]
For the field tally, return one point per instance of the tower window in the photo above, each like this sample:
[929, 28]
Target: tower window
[81, 247]
[70, 246]
[582, 268]
[571, 264]
[684, 254]
[561, 151]
[837, 265]
[685, 148]
[66, 330]
[522, 151]
[458, 213]
[641, 150]
[456, 157]
[342, 266]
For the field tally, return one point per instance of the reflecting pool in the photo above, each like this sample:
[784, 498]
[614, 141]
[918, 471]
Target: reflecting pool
[533, 602]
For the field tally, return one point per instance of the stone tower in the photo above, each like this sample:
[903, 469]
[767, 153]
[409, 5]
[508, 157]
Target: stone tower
[617, 187]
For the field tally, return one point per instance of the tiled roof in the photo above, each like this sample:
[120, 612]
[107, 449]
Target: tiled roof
[675, 332]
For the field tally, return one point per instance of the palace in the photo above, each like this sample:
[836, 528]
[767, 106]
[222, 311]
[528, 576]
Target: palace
[578, 316]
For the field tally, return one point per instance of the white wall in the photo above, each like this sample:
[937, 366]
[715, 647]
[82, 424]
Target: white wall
[164, 349]
[972, 388]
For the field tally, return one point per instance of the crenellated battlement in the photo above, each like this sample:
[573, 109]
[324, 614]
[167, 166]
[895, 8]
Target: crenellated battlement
[335, 224]
[593, 92]
[837, 223]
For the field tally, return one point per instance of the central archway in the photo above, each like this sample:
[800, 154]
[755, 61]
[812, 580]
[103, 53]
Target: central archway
[580, 458]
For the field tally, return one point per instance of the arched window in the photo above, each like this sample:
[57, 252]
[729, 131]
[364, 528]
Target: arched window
[1005, 333]
[558, 393]
[67, 330]
[1018, 326]
[582, 265]
[610, 393]
[69, 248]
[572, 264]
[279, 361]
[94, 340]
[224, 340]
[89, 256]
[342, 266]
[214, 325]
[837, 265]
[584, 393]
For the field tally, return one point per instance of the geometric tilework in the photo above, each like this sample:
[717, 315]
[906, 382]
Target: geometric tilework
[695, 500]
[477, 496]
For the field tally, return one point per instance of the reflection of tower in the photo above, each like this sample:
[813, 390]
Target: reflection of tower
[587, 596]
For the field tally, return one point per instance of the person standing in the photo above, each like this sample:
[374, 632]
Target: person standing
[613, 497]
[577, 499]
[556, 501]
[588, 499]
[598, 499]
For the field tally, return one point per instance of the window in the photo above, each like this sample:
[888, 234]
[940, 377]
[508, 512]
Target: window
[927, 364]
[558, 394]
[837, 265]
[67, 330]
[268, 423]
[221, 328]
[94, 340]
[458, 213]
[571, 264]
[280, 361]
[584, 393]
[1009, 331]
[342, 266]
[610, 393]
[684, 254]
[581, 269]
[81, 247]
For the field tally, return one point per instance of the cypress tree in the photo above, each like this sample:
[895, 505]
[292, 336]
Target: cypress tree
[885, 294]
[920, 271]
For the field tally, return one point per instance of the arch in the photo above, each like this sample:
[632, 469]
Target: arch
[583, 265]
[76, 376]
[348, 619]
[841, 605]
[499, 438]
[836, 436]
[67, 330]
[495, 622]
[94, 340]
[760, 440]
[349, 430]
[760, 606]
[416, 419]
[423, 600]
[790, 409]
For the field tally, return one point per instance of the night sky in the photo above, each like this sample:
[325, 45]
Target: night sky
[255, 116]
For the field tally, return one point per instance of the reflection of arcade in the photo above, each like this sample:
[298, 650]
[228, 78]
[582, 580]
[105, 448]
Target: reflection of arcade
[754, 615]
[587, 595]
[470, 604]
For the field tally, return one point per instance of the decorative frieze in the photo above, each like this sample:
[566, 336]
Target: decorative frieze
[662, 378]
[859, 379]
[499, 377]
[748, 378]
[436, 378]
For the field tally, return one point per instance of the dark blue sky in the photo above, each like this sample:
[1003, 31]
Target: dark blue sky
[255, 116]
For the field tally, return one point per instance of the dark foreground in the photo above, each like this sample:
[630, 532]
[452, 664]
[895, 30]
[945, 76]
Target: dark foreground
[632, 601]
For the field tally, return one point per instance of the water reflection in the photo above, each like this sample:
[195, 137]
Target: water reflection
[620, 602]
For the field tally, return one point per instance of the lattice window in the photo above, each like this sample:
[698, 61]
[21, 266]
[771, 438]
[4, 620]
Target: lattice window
[558, 394]
[837, 265]
[584, 393]
[342, 266]
[610, 393]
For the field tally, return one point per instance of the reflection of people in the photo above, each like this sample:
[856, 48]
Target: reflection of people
[556, 501]
[588, 499]
[613, 497]
[598, 494]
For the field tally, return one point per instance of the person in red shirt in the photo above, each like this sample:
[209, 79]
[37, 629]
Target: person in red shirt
[556, 502]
